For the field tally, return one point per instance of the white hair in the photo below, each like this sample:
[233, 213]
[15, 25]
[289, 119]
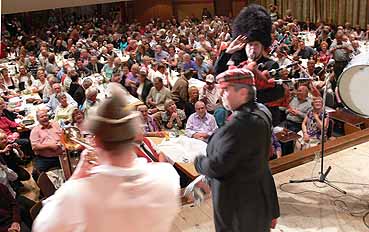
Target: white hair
[91, 91]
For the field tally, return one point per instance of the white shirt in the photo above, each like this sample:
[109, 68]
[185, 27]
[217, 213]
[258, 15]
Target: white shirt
[139, 90]
[152, 74]
[212, 97]
[38, 85]
[142, 198]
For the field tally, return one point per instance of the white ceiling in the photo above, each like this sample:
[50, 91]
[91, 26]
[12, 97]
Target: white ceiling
[18, 6]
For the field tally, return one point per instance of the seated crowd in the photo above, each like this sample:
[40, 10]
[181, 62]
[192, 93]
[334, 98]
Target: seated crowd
[69, 67]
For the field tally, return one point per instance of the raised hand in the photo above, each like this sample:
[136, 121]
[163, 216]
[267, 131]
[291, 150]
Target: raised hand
[237, 44]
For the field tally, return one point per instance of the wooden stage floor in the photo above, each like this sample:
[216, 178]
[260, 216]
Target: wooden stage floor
[317, 208]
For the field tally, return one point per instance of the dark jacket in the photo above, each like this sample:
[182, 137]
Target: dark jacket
[92, 68]
[9, 210]
[189, 108]
[77, 92]
[74, 55]
[180, 92]
[83, 72]
[146, 89]
[243, 189]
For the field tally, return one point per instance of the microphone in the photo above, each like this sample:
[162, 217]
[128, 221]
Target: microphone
[274, 72]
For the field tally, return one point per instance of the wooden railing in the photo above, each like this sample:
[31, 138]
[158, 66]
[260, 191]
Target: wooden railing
[304, 156]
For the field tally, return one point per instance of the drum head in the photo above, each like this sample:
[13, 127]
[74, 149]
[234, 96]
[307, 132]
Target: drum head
[353, 89]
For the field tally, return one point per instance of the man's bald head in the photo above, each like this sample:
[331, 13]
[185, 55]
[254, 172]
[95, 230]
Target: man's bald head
[302, 93]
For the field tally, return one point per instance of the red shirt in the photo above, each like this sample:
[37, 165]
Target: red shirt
[2, 50]
[148, 146]
[6, 124]
[47, 135]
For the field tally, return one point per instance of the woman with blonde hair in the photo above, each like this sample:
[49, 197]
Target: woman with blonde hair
[173, 117]
[63, 113]
[312, 126]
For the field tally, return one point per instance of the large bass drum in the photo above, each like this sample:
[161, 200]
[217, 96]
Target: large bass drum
[353, 85]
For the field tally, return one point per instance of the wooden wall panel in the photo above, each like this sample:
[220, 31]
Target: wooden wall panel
[144, 10]
[366, 15]
[336, 11]
[354, 11]
[192, 7]
[237, 6]
[19, 6]
[348, 11]
[223, 7]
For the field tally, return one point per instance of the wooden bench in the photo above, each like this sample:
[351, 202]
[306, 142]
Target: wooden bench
[348, 118]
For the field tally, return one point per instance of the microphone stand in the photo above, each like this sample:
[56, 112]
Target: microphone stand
[303, 69]
[322, 174]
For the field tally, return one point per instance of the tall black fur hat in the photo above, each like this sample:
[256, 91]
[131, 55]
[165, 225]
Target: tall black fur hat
[254, 21]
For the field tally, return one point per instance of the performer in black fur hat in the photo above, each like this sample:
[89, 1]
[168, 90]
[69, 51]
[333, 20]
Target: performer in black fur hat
[252, 24]
[252, 35]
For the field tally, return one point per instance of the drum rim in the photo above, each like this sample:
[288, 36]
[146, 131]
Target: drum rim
[339, 92]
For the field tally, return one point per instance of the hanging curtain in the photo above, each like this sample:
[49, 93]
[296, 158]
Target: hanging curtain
[355, 12]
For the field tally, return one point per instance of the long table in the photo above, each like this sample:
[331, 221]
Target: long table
[22, 104]
[187, 168]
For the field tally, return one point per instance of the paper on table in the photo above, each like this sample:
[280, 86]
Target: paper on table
[182, 149]
[277, 129]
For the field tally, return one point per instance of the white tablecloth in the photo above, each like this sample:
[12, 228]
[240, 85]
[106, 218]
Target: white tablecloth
[29, 108]
[173, 77]
[182, 149]
[308, 37]
[11, 66]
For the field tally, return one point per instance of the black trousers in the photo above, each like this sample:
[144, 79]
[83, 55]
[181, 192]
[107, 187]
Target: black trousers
[293, 126]
[276, 115]
[184, 180]
[25, 206]
[43, 164]
[338, 69]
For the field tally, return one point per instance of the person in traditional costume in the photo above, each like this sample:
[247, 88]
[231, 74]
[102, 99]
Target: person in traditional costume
[243, 190]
